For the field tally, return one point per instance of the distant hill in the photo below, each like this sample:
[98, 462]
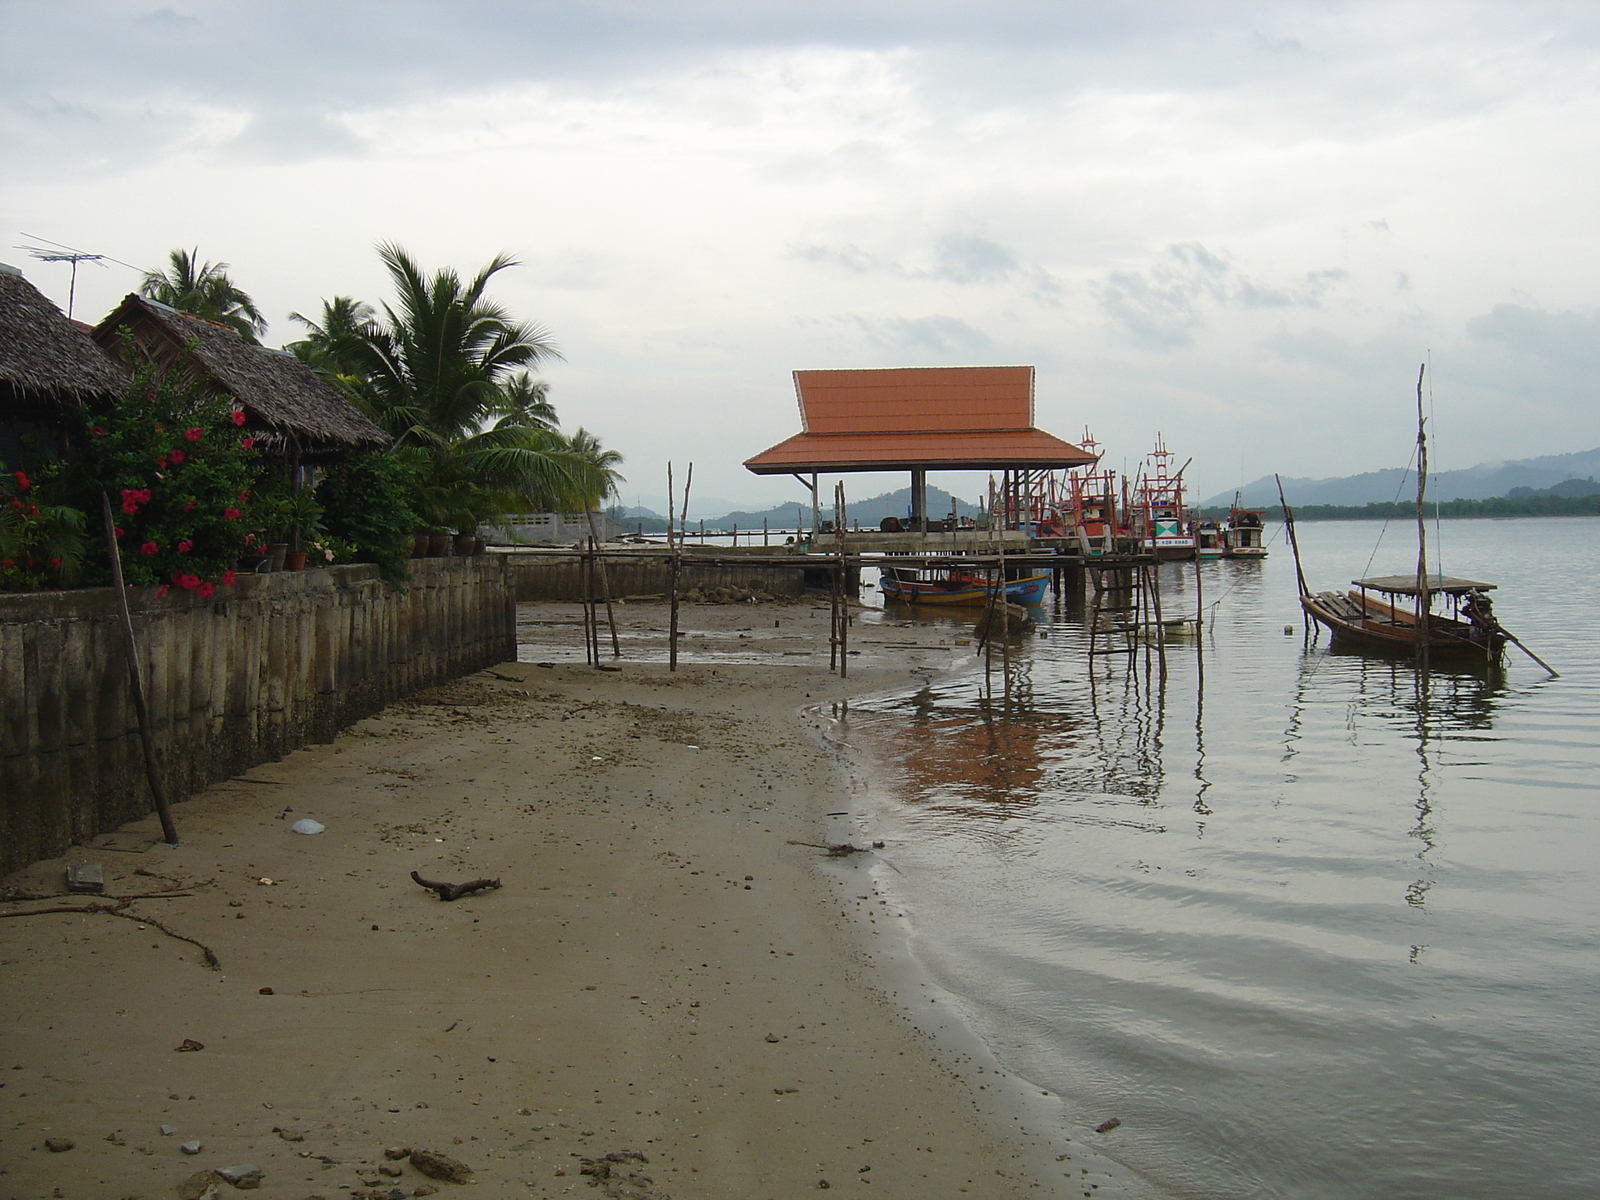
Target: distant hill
[1472, 483]
[869, 512]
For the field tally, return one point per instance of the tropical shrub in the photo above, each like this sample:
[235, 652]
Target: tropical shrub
[178, 473]
[41, 543]
[366, 506]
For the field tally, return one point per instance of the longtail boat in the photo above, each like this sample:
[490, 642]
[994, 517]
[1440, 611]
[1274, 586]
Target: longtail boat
[946, 585]
[1466, 632]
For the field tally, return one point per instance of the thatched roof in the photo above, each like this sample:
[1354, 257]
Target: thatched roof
[44, 361]
[287, 405]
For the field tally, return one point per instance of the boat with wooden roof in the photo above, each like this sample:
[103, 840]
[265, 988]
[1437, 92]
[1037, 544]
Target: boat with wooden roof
[1161, 521]
[1467, 633]
[1359, 619]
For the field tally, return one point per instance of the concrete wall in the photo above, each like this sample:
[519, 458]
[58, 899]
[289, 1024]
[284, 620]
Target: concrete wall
[264, 667]
[560, 577]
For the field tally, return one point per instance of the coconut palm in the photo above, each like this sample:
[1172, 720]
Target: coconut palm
[444, 371]
[204, 289]
[587, 447]
[333, 345]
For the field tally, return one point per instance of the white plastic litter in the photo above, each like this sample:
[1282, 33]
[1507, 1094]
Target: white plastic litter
[307, 826]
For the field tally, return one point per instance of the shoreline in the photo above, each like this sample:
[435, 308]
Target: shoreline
[660, 972]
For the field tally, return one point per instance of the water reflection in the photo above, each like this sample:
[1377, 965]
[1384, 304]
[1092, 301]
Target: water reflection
[1367, 969]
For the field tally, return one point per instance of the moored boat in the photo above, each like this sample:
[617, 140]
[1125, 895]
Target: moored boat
[1466, 632]
[1209, 538]
[1242, 536]
[1159, 513]
[953, 586]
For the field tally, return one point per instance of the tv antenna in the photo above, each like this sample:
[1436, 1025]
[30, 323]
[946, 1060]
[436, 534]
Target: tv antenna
[69, 254]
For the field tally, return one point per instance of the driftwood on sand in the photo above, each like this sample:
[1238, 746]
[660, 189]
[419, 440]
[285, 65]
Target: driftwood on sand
[454, 891]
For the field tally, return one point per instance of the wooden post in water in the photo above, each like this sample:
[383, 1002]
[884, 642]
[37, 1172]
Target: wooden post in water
[605, 586]
[840, 574]
[672, 574]
[152, 770]
[765, 540]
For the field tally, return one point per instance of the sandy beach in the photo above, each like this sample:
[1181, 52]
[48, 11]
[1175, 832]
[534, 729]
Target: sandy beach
[663, 976]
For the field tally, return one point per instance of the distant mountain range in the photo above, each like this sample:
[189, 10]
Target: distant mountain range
[866, 513]
[1539, 475]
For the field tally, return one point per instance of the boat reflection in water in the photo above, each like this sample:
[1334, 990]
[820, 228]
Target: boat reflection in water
[1290, 914]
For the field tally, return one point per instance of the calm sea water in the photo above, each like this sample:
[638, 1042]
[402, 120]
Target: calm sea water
[1309, 926]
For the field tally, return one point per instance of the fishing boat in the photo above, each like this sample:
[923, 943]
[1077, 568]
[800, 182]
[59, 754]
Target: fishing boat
[1209, 538]
[1242, 536]
[1162, 528]
[1466, 633]
[955, 586]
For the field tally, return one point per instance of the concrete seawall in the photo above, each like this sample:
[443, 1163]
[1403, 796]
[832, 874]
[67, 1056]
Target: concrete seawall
[551, 577]
[260, 669]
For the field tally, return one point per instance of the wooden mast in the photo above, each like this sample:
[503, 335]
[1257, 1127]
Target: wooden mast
[1422, 632]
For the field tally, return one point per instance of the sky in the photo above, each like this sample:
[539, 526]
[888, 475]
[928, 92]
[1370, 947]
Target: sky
[1241, 226]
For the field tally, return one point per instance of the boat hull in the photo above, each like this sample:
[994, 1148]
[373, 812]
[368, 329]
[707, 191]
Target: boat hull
[1027, 590]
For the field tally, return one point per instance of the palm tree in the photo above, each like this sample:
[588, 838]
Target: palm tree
[445, 374]
[587, 447]
[333, 344]
[205, 290]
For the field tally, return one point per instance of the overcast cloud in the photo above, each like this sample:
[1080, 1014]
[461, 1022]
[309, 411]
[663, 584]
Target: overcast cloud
[1242, 225]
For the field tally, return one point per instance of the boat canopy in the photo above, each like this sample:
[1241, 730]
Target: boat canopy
[1406, 585]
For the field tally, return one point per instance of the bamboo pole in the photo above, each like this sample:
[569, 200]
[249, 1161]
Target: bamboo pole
[605, 586]
[841, 574]
[152, 770]
[672, 574]
[1421, 631]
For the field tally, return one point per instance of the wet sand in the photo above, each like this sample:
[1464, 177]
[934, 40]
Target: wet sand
[661, 971]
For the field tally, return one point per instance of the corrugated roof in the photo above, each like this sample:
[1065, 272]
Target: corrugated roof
[949, 418]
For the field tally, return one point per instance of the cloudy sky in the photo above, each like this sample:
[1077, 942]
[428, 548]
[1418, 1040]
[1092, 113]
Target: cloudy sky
[1242, 225]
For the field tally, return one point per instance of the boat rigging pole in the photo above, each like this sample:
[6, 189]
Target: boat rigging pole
[1421, 632]
[1294, 542]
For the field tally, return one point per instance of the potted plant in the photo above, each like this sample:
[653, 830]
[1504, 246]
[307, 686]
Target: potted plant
[305, 524]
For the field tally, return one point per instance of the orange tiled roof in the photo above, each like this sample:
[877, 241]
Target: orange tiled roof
[951, 418]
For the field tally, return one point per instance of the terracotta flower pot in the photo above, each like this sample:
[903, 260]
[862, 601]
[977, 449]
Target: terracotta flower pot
[295, 560]
[438, 545]
[465, 543]
[419, 545]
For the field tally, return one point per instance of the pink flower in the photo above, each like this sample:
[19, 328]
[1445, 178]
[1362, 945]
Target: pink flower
[55, 564]
[244, 495]
[238, 417]
[22, 481]
[148, 548]
[97, 430]
[246, 443]
[205, 590]
[227, 579]
[187, 582]
[230, 514]
[176, 456]
[249, 539]
[185, 546]
[161, 464]
[188, 506]
[194, 434]
[117, 531]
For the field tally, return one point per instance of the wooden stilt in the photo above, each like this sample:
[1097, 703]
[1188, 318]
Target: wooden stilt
[152, 769]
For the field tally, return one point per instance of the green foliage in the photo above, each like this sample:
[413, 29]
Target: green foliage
[41, 544]
[367, 508]
[179, 475]
[1492, 506]
[205, 290]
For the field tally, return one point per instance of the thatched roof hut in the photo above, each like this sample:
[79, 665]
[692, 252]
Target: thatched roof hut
[45, 361]
[290, 409]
